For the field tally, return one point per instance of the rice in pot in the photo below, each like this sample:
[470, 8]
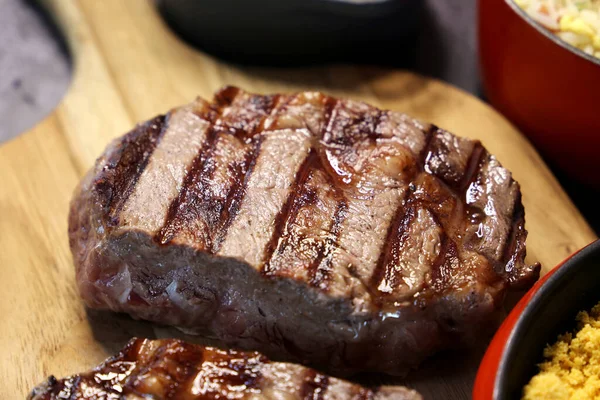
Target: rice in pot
[577, 22]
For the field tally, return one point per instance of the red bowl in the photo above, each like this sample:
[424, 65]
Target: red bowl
[548, 309]
[549, 89]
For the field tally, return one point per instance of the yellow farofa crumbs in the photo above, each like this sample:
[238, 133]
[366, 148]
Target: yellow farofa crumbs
[572, 367]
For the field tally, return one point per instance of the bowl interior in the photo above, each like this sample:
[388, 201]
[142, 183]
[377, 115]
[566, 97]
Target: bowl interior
[572, 288]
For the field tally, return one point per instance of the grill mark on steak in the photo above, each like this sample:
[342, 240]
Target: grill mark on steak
[190, 367]
[211, 112]
[448, 254]
[429, 135]
[513, 242]
[514, 246]
[350, 137]
[298, 195]
[330, 105]
[396, 234]
[225, 96]
[515, 249]
[376, 122]
[132, 349]
[319, 270]
[175, 219]
[314, 386]
[237, 191]
[137, 148]
[188, 359]
[473, 168]
[143, 369]
[195, 199]
[184, 208]
[243, 371]
[406, 212]
[444, 263]
[321, 249]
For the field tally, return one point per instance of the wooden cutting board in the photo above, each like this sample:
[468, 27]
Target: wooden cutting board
[129, 67]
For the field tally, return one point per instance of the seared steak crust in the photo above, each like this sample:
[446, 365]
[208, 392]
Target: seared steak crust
[172, 369]
[318, 230]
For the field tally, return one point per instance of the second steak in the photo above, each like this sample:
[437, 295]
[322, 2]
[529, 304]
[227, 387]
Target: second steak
[172, 369]
[312, 229]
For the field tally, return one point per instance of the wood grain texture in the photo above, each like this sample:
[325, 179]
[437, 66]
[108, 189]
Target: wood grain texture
[130, 67]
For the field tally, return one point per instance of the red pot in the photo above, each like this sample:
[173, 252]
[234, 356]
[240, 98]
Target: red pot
[548, 88]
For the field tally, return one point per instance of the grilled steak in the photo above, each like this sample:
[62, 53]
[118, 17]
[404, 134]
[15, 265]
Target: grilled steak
[311, 229]
[172, 369]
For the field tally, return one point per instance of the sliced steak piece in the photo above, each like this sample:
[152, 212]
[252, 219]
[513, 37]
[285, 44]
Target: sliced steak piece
[312, 229]
[173, 369]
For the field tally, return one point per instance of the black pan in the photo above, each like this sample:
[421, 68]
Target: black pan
[292, 32]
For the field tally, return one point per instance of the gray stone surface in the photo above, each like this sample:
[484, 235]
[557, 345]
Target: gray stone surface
[34, 71]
